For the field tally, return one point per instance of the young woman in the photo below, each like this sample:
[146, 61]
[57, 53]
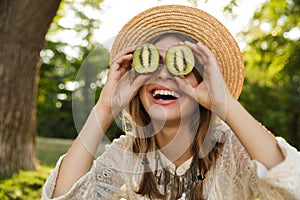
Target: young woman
[187, 137]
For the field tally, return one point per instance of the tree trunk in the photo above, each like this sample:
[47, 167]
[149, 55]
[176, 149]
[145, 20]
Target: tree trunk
[23, 26]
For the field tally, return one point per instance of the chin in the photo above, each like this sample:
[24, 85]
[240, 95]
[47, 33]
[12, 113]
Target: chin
[168, 117]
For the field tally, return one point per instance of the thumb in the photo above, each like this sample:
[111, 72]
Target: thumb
[199, 93]
[186, 87]
[138, 82]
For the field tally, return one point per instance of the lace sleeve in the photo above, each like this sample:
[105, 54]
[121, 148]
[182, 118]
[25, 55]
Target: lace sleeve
[103, 181]
[239, 177]
[283, 180]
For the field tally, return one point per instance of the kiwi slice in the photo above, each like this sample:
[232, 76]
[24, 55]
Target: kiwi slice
[145, 58]
[180, 60]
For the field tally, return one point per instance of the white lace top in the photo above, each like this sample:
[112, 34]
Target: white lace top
[235, 176]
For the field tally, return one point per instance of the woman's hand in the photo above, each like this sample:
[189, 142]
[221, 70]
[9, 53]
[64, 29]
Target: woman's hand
[120, 87]
[212, 92]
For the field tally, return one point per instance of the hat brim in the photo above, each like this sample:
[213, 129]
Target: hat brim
[194, 23]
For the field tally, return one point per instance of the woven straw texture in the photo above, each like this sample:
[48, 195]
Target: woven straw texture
[193, 22]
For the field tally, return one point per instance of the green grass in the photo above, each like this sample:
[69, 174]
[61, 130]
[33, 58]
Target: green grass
[27, 185]
[24, 185]
[50, 149]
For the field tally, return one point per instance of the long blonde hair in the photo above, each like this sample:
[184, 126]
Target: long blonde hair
[144, 141]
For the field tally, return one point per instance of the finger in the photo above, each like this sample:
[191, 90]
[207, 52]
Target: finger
[139, 82]
[126, 64]
[199, 94]
[204, 49]
[185, 87]
[206, 52]
[211, 67]
[121, 64]
[125, 91]
[126, 80]
[197, 52]
[128, 50]
[123, 61]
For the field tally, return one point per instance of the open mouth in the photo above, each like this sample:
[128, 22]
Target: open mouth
[165, 95]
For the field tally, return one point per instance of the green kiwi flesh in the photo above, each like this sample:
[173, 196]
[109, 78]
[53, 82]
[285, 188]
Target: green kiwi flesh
[145, 58]
[180, 60]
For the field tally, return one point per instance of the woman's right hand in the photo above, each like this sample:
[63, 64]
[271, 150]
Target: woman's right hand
[120, 87]
[116, 95]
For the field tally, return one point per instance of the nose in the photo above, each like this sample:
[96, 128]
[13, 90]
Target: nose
[163, 73]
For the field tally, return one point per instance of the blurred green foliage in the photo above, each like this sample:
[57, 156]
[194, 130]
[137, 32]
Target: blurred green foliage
[272, 75]
[72, 71]
[27, 185]
[77, 71]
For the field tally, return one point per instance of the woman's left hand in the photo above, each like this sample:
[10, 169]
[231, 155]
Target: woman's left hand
[212, 92]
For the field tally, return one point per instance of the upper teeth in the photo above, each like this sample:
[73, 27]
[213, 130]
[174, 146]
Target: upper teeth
[166, 92]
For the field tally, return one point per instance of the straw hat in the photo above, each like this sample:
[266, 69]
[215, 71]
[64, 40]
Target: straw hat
[194, 23]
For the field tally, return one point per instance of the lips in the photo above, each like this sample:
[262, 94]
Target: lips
[164, 96]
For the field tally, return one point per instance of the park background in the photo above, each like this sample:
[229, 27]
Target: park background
[54, 55]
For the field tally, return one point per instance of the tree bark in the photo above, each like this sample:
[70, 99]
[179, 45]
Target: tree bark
[23, 26]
